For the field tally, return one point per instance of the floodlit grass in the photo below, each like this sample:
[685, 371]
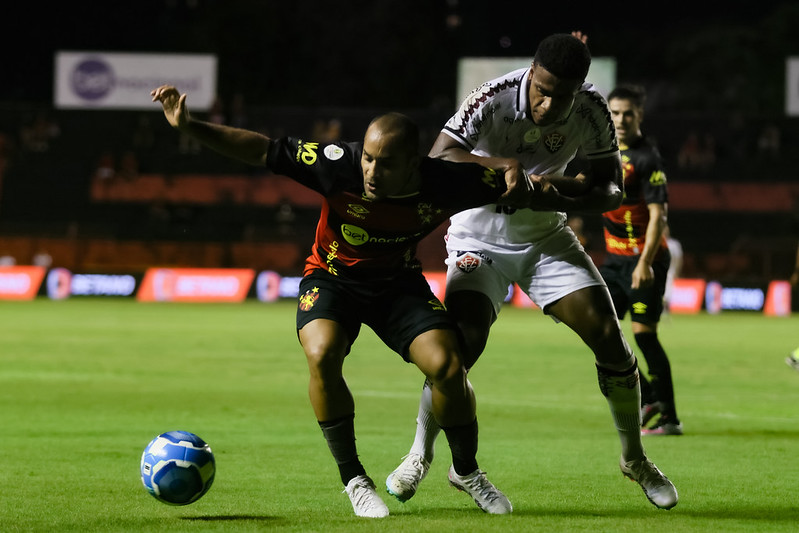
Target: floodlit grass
[86, 384]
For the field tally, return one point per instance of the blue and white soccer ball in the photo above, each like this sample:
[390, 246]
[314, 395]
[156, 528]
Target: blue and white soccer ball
[177, 467]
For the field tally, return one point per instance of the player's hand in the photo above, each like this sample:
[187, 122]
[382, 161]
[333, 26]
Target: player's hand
[544, 195]
[518, 193]
[174, 103]
[580, 35]
[643, 276]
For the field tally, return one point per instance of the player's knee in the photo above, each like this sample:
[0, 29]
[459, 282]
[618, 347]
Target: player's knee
[446, 370]
[609, 345]
[604, 333]
[323, 359]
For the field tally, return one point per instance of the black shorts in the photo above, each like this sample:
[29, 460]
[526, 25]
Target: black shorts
[645, 305]
[398, 310]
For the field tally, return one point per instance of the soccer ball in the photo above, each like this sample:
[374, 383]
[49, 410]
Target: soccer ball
[177, 467]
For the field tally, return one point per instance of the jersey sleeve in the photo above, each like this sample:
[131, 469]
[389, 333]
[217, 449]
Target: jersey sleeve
[653, 179]
[462, 185]
[473, 118]
[599, 138]
[323, 167]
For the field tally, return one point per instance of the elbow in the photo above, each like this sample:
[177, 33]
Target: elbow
[613, 198]
[614, 201]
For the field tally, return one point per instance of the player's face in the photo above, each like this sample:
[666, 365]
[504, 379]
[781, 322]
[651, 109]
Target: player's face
[550, 97]
[388, 168]
[626, 118]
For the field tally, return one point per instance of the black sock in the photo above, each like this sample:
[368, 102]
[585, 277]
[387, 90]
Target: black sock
[463, 444]
[659, 373]
[647, 394]
[340, 437]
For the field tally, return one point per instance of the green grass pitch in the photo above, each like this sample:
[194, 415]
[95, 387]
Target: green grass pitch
[85, 385]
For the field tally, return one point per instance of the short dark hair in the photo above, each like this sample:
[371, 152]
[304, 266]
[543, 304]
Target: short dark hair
[634, 93]
[564, 55]
[401, 126]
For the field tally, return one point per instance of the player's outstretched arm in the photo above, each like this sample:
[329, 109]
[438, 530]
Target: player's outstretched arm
[518, 188]
[599, 190]
[248, 146]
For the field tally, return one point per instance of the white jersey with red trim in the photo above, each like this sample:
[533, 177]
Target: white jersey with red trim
[494, 121]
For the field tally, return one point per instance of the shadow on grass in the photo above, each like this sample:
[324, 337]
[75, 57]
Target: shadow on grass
[232, 518]
[787, 513]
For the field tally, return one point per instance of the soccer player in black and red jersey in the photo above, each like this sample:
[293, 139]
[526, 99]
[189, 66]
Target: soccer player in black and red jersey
[637, 260]
[380, 199]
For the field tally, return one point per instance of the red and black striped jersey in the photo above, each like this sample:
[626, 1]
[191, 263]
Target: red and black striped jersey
[359, 238]
[644, 183]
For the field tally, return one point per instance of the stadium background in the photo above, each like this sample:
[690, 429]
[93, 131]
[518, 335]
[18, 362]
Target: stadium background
[323, 68]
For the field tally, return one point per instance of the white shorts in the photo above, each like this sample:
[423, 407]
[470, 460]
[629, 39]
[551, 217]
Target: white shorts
[546, 270]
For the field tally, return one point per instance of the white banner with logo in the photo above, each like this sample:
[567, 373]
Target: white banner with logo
[104, 80]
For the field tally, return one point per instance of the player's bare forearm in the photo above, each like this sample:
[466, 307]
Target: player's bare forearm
[654, 231]
[518, 190]
[565, 194]
[247, 146]
[597, 190]
[449, 149]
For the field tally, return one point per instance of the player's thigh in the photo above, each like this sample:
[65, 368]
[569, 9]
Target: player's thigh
[404, 309]
[619, 282]
[328, 319]
[559, 266]
[589, 312]
[476, 271]
[325, 344]
[474, 314]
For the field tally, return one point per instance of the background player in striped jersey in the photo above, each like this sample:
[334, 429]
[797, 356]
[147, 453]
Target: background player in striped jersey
[380, 199]
[637, 260]
[541, 116]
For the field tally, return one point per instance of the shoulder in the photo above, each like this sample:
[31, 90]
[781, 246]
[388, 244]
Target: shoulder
[500, 97]
[505, 87]
[646, 149]
[324, 167]
[589, 98]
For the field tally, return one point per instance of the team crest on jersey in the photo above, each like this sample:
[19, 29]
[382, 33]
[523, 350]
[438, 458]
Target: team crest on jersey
[554, 141]
[333, 152]
[308, 299]
[470, 261]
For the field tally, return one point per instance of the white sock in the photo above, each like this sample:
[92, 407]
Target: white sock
[427, 429]
[623, 393]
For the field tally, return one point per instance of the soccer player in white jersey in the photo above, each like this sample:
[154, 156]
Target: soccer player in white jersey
[542, 117]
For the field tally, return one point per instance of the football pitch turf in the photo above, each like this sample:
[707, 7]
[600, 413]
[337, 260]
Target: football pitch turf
[86, 384]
